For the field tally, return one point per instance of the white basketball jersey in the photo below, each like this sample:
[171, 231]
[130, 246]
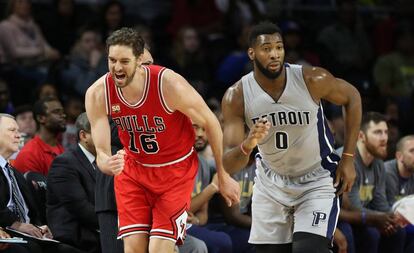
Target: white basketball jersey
[299, 138]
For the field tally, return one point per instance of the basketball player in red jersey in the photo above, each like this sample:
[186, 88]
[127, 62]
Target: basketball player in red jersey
[154, 174]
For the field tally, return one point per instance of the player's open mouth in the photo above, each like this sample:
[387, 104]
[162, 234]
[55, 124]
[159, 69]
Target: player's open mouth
[120, 77]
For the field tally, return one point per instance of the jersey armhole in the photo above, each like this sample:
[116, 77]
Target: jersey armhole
[245, 117]
[107, 96]
[161, 94]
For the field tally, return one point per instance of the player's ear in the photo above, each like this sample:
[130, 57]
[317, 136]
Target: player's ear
[361, 135]
[250, 53]
[82, 134]
[399, 155]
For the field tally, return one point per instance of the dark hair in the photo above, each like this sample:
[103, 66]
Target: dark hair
[82, 123]
[22, 109]
[262, 28]
[127, 37]
[39, 108]
[375, 117]
[38, 91]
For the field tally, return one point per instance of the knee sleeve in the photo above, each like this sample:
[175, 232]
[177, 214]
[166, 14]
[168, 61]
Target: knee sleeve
[272, 248]
[310, 243]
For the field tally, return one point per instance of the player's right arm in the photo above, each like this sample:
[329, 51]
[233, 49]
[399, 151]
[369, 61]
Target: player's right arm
[101, 131]
[237, 147]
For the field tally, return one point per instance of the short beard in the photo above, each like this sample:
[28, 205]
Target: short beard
[374, 151]
[267, 73]
[57, 129]
[200, 148]
[128, 80]
[408, 167]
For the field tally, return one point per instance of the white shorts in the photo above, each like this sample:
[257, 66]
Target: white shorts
[283, 205]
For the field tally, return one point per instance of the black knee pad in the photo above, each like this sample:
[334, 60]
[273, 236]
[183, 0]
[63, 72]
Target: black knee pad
[310, 243]
[273, 248]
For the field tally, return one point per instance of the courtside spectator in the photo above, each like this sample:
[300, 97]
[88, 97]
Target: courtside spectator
[367, 209]
[71, 193]
[18, 210]
[38, 153]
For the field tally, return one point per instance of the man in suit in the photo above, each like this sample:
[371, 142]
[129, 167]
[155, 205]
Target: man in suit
[71, 193]
[17, 208]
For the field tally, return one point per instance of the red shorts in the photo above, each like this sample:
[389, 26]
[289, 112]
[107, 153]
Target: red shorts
[154, 200]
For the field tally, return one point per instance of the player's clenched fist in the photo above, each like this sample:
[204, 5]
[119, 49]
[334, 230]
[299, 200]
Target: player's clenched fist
[113, 165]
[257, 133]
[229, 189]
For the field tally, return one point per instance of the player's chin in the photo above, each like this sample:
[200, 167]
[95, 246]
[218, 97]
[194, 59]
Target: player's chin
[273, 69]
[120, 83]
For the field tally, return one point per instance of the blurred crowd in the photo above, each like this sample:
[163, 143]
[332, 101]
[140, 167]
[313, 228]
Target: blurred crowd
[51, 51]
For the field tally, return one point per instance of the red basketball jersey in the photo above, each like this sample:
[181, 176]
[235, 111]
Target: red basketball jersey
[152, 133]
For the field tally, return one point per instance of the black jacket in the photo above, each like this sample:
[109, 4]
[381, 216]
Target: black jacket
[7, 217]
[71, 200]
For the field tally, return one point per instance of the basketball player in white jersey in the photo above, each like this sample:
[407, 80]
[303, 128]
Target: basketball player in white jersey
[295, 204]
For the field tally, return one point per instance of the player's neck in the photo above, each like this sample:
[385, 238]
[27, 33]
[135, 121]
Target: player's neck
[48, 137]
[269, 83]
[273, 87]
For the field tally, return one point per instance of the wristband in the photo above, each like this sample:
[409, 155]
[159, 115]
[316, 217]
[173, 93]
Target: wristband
[242, 150]
[348, 154]
[364, 217]
[215, 186]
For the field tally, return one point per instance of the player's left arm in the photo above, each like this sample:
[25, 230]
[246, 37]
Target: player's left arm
[180, 95]
[323, 85]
